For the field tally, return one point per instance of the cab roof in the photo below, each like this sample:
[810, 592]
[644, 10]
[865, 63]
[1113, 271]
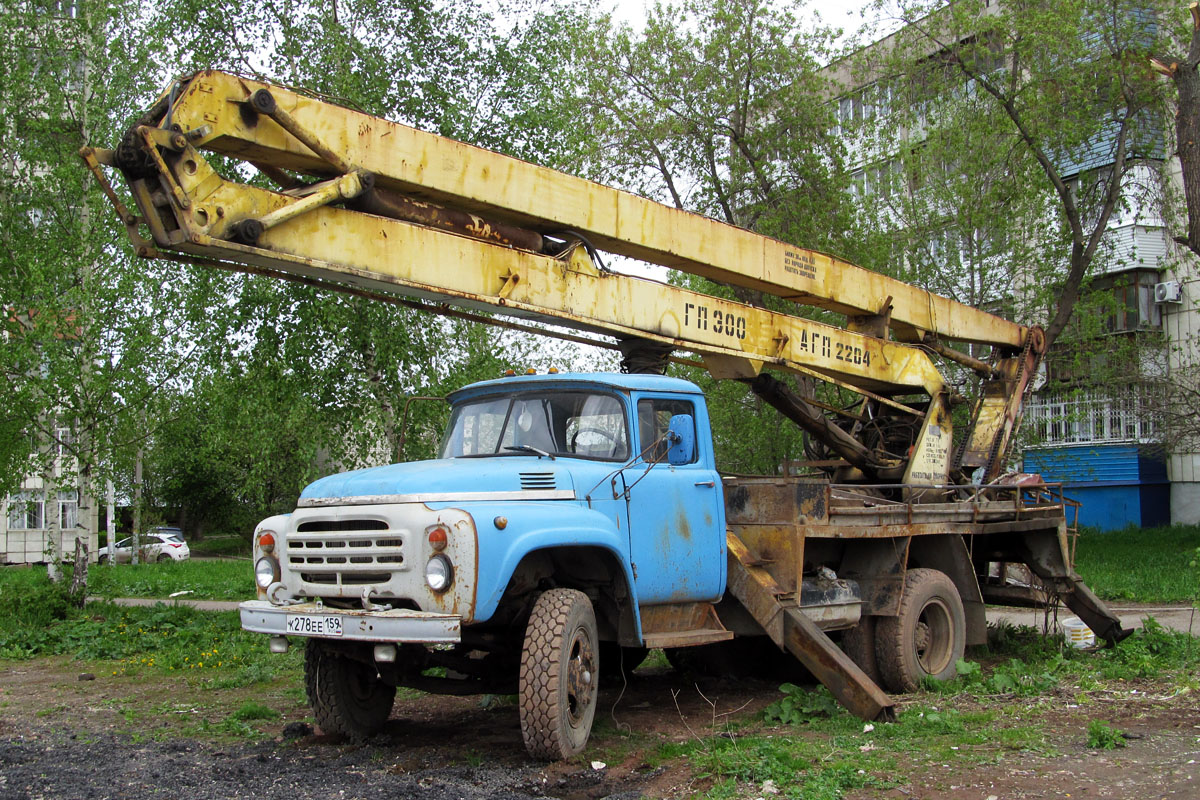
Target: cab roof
[571, 380]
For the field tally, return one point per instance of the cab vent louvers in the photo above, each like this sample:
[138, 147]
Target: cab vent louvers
[537, 480]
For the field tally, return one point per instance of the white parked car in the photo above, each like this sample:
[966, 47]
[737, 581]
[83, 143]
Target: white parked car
[160, 544]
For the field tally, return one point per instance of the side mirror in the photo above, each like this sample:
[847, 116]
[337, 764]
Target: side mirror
[681, 435]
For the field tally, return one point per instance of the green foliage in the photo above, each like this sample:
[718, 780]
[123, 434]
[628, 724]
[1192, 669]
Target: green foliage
[239, 447]
[749, 436]
[1101, 735]
[1014, 676]
[800, 705]
[1034, 664]
[230, 727]
[309, 382]
[87, 334]
[241, 388]
[252, 711]
[718, 106]
[1140, 564]
[34, 603]
[226, 545]
[1151, 652]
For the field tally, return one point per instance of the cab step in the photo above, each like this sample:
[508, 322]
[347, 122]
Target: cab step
[682, 625]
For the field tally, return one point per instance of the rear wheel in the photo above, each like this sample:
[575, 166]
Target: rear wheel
[859, 643]
[163, 557]
[928, 635]
[617, 661]
[346, 696]
[559, 675]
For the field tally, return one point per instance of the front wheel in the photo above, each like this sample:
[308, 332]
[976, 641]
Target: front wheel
[927, 637]
[559, 675]
[346, 696]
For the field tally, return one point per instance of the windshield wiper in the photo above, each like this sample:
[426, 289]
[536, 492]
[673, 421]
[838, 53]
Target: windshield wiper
[528, 448]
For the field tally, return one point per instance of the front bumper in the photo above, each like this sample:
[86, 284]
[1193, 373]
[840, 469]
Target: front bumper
[396, 625]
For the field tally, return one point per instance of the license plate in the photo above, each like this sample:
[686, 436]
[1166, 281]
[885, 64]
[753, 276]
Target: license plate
[309, 625]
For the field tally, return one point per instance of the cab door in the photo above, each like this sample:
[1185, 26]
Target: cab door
[676, 512]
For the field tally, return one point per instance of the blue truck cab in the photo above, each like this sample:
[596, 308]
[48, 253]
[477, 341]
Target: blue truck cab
[567, 515]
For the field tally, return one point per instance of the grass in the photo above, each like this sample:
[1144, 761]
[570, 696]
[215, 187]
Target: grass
[252, 711]
[209, 647]
[227, 545]
[1101, 735]
[813, 748]
[1144, 565]
[206, 580]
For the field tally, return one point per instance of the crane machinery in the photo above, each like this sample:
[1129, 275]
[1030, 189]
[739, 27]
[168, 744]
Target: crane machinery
[574, 521]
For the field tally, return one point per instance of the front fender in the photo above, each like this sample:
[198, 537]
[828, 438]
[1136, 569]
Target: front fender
[533, 526]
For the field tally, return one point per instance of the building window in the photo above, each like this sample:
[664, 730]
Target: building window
[860, 185]
[881, 177]
[864, 104]
[1129, 301]
[56, 8]
[26, 511]
[68, 509]
[1094, 417]
[65, 441]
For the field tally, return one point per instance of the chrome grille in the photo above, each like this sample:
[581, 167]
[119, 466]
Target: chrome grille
[345, 552]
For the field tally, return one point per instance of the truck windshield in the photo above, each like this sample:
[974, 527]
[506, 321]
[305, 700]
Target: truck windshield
[579, 424]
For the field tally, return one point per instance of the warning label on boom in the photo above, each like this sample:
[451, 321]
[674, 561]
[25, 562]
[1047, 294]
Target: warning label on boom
[801, 264]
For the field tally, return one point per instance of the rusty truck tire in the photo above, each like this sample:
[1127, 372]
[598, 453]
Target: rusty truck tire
[347, 697]
[926, 638]
[859, 643]
[559, 675]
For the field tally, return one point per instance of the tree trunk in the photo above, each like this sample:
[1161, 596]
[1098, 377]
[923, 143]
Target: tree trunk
[1187, 135]
[110, 526]
[50, 516]
[1182, 71]
[79, 579]
[136, 540]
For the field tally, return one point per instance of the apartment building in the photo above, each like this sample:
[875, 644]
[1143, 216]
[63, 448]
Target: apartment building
[42, 520]
[1095, 421]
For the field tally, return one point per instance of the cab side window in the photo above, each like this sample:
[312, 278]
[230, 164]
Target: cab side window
[654, 415]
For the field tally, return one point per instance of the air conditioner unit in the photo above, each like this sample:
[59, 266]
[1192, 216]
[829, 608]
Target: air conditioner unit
[1168, 292]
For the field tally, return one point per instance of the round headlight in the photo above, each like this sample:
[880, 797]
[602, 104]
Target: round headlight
[439, 573]
[266, 572]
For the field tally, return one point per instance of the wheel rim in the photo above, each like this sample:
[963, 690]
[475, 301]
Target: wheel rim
[933, 637]
[581, 677]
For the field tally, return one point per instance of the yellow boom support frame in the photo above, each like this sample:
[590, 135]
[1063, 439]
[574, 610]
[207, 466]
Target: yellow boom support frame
[303, 230]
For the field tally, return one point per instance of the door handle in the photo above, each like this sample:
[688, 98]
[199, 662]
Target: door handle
[709, 484]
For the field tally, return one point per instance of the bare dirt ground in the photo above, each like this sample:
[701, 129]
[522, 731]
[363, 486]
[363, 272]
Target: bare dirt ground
[157, 737]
